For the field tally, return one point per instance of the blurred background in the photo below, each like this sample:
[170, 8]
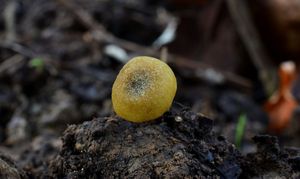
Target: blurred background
[235, 62]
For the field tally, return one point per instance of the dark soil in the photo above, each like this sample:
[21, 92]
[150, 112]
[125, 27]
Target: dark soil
[179, 144]
[8, 168]
[112, 147]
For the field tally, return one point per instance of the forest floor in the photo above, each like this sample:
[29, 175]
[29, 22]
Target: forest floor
[59, 59]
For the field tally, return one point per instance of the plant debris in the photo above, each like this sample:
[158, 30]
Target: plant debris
[282, 104]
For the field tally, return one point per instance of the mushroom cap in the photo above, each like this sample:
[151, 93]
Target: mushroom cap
[144, 89]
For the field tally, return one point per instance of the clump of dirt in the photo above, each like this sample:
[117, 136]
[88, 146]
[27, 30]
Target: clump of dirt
[270, 161]
[36, 157]
[8, 169]
[179, 144]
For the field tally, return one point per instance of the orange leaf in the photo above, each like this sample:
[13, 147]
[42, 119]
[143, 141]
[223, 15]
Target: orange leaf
[281, 105]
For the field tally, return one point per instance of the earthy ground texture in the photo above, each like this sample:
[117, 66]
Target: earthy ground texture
[179, 144]
[59, 59]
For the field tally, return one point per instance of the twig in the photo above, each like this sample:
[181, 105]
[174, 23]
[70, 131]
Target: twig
[18, 49]
[9, 14]
[198, 66]
[22, 53]
[246, 29]
[99, 33]
[12, 62]
[87, 20]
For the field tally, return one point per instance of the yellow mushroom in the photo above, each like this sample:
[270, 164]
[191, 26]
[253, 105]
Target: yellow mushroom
[144, 89]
